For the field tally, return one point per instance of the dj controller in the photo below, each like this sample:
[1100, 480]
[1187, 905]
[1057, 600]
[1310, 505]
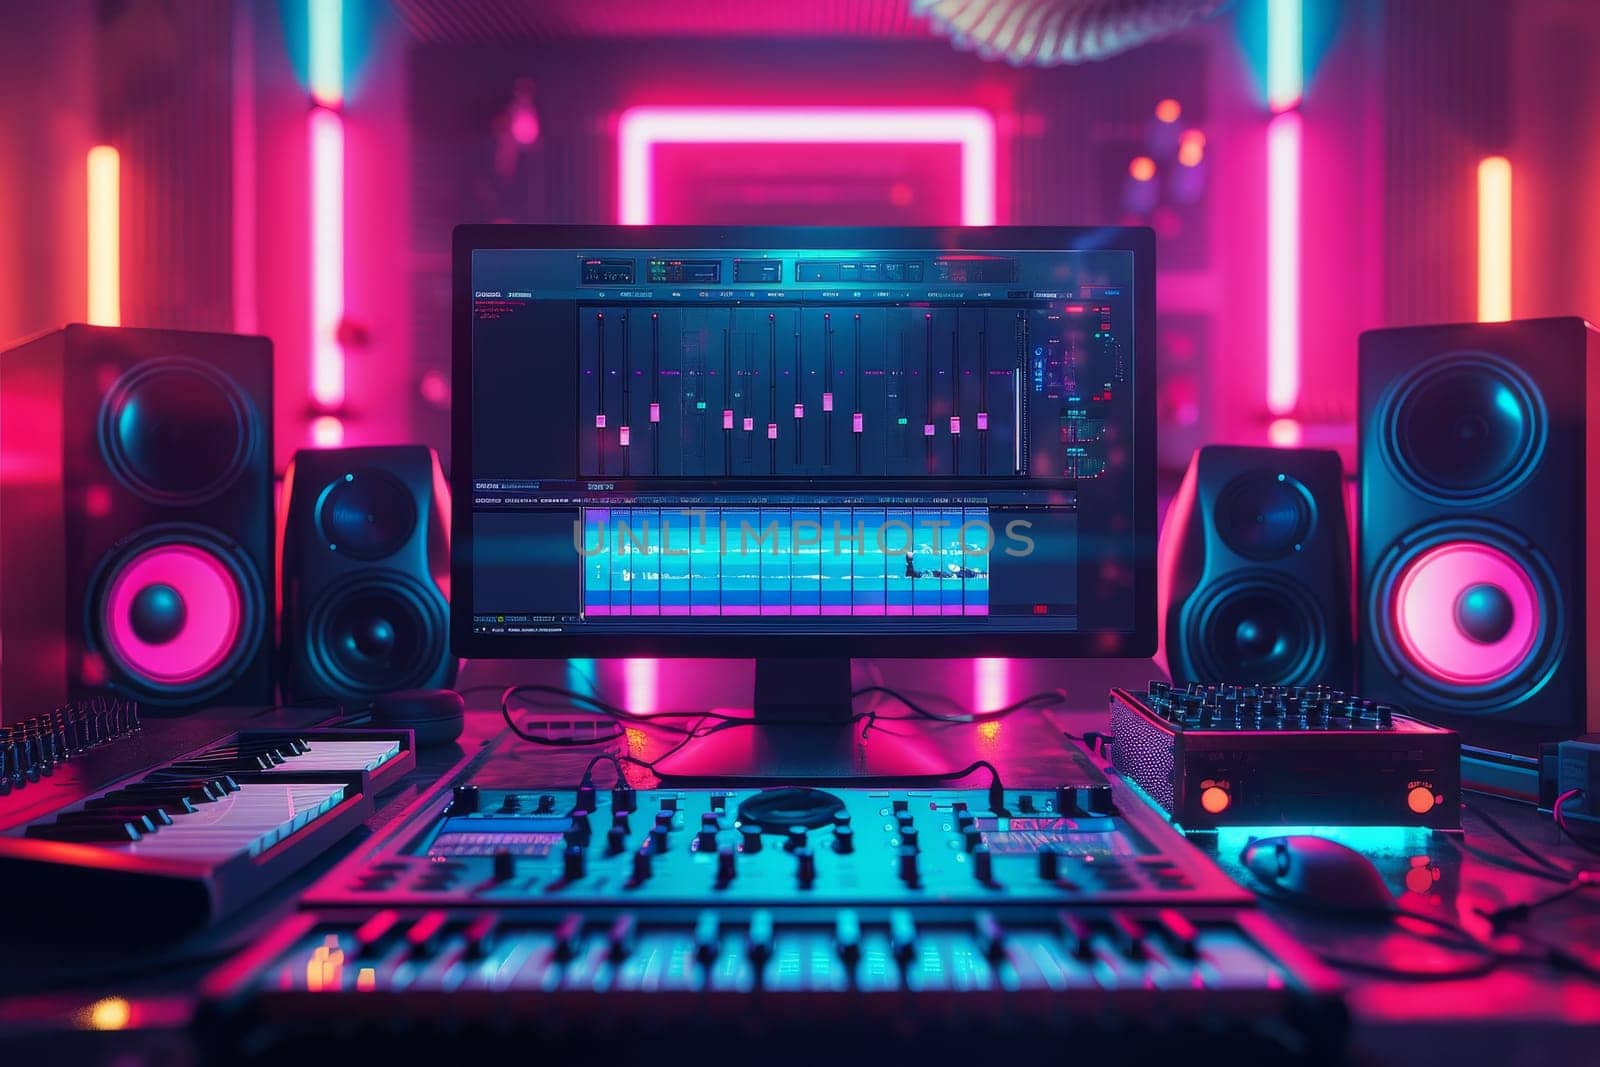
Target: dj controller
[846, 923]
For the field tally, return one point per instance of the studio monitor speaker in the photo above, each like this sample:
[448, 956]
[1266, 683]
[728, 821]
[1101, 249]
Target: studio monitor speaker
[1255, 569]
[1478, 494]
[135, 518]
[365, 566]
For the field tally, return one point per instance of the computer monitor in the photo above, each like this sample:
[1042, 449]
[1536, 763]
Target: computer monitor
[802, 445]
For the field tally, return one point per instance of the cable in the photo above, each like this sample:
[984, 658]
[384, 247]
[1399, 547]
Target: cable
[1516, 842]
[1042, 699]
[1561, 821]
[1511, 912]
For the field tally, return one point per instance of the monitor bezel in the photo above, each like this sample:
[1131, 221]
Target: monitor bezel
[1140, 641]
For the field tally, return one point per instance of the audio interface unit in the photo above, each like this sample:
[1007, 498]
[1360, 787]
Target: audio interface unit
[1251, 755]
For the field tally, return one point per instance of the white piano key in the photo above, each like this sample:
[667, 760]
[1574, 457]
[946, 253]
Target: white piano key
[339, 755]
[250, 821]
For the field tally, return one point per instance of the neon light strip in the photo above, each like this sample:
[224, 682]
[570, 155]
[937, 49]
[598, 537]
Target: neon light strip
[1494, 239]
[642, 128]
[1283, 263]
[327, 256]
[105, 237]
[1285, 61]
[326, 67]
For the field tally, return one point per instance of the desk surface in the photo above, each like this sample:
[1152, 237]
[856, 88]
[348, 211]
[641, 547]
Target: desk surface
[1509, 1015]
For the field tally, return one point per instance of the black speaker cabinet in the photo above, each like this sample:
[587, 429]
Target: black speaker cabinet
[1478, 500]
[1255, 569]
[135, 518]
[365, 565]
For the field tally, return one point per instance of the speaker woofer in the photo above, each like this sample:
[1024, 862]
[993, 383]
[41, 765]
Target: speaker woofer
[1258, 628]
[367, 514]
[375, 632]
[1265, 515]
[177, 431]
[177, 611]
[1467, 615]
[1465, 426]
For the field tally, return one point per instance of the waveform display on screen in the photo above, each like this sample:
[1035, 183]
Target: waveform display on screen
[730, 561]
[904, 391]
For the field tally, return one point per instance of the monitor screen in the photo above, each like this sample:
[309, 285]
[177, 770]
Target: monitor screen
[740, 442]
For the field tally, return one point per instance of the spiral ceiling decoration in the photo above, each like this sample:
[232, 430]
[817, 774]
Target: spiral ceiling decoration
[1046, 33]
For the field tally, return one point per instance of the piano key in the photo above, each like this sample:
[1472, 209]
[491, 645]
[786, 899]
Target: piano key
[247, 822]
[341, 755]
[123, 833]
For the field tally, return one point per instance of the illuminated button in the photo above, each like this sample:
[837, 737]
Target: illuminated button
[1421, 800]
[1215, 799]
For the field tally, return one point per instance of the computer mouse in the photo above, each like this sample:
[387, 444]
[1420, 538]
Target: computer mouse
[1318, 871]
[434, 716]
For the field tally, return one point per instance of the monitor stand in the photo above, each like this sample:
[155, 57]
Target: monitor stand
[803, 730]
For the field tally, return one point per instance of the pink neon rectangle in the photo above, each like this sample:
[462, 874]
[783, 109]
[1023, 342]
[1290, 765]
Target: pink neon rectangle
[597, 609]
[647, 609]
[976, 609]
[674, 609]
[655, 412]
[622, 436]
[870, 609]
[836, 609]
[799, 411]
[749, 424]
[955, 424]
[855, 422]
[950, 609]
[807, 609]
[983, 420]
[775, 609]
[827, 401]
[926, 609]
[704, 609]
[927, 429]
[772, 431]
[727, 420]
[599, 422]
[641, 129]
[898, 609]
[740, 609]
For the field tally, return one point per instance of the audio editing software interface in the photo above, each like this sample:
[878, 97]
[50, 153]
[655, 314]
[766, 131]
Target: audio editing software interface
[783, 441]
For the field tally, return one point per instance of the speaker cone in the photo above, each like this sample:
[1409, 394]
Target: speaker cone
[1465, 426]
[1261, 628]
[367, 514]
[1263, 515]
[177, 611]
[373, 633]
[1467, 615]
[176, 431]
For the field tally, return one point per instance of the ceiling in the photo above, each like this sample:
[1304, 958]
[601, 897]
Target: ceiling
[472, 21]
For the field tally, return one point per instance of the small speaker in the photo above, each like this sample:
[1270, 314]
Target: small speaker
[1255, 569]
[135, 518]
[365, 565]
[1478, 490]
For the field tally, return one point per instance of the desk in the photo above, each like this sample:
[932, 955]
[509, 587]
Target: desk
[1515, 1014]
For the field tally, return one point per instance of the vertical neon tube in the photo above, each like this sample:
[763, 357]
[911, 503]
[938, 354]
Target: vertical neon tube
[327, 257]
[1285, 61]
[1283, 263]
[326, 67]
[991, 684]
[105, 237]
[1494, 239]
[641, 686]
